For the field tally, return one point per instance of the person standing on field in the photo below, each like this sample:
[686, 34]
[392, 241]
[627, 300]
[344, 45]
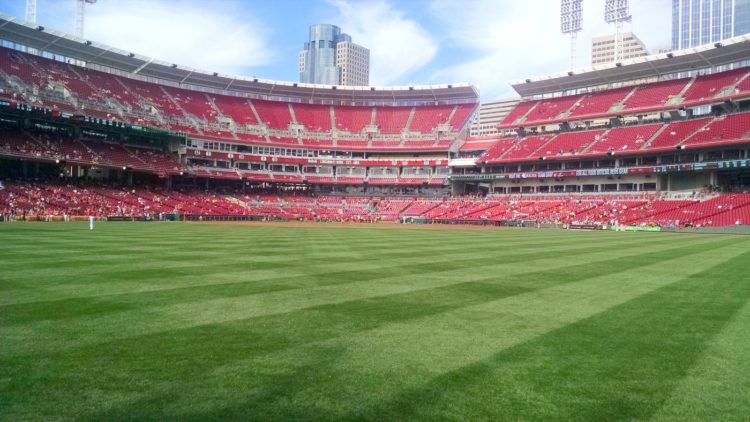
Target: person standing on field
[91, 219]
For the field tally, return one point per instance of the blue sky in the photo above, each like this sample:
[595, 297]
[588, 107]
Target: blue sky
[413, 42]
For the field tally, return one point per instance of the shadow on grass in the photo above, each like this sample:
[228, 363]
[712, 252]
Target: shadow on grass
[170, 366]
[62, 309]
[618, 365]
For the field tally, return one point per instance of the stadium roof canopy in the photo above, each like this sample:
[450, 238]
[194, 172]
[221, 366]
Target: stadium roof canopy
[728, 51]
[103, 57]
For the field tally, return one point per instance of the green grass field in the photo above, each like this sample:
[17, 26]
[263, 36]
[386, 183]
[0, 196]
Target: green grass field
[161, 321]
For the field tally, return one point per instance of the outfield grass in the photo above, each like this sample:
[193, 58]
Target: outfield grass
[204, 321]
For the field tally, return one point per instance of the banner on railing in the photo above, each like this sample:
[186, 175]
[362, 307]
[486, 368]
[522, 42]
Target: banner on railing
[642, 229]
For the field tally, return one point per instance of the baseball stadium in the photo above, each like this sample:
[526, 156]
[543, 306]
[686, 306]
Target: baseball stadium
[178, 244]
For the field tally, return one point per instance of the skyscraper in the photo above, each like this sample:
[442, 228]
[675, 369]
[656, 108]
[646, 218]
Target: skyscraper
[699, 22]
[603, 48]
[331, 58]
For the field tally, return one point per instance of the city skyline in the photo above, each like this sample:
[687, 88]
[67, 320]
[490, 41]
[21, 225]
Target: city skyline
[331, 57]
[487, 43]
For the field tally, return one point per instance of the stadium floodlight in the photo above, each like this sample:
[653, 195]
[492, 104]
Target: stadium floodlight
[31, 11]
[571, 16]
[80, 15]
[617, 12]
[571, 22]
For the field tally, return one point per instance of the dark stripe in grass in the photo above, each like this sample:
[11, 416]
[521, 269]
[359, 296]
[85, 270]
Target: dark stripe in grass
[100, 305]
[181, 357]
[619, 365]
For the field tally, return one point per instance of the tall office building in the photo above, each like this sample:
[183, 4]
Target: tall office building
[490, 115]
[603, 48]
[331, 58]
[699, 22]
[353, 62]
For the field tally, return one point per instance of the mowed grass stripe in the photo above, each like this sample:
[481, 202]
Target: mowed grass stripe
[71, 282]
[341, 342]
[391, 307]
[619, 364]
[189, 245]
[256, 241]
[718, 384]
[86, 307]
[168, 317]
[71, 259]
[337, 377]
[388, 362]
[252, 236]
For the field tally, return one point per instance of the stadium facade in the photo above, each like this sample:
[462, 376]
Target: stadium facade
[82, 111]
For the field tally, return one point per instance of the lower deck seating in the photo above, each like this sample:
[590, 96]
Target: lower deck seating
[36, 200]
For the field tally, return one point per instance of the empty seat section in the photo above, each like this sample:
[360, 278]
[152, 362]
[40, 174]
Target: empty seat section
[744, 85]
[444, 143]
[44, 72]
[160, 161]
[461, 116]
[518, 111]
[319, 179]
[525, 147]
[352, 143]
[19, 65]
[251, 138]
[497, 149]
[699, 213]
[237, 108]
[478, 143]
[317, 143]
[392, 119]
[654, 95]
[568, 143]
[551, 108]
[193, 102]
[735, 210]
[17, 143]
[153, 95]
[652, 209]
[352, 119]
[676, 132]
[316, 118]
[724, 128]
[66, 148]
[624, 138]
[60, 73]
[600, 102]
[274, 114]
[109, 88]
[427, 118]
[709, 86]
[116, 155]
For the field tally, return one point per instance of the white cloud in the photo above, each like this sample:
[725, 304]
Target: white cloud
[196, 34]
[514, 40]
[398, 45]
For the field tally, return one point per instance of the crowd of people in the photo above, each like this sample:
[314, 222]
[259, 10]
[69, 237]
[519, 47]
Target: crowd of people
[46, 200]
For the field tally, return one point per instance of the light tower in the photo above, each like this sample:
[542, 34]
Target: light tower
[571, 18]
[31, 11]
[80, 13]
[617, 12]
